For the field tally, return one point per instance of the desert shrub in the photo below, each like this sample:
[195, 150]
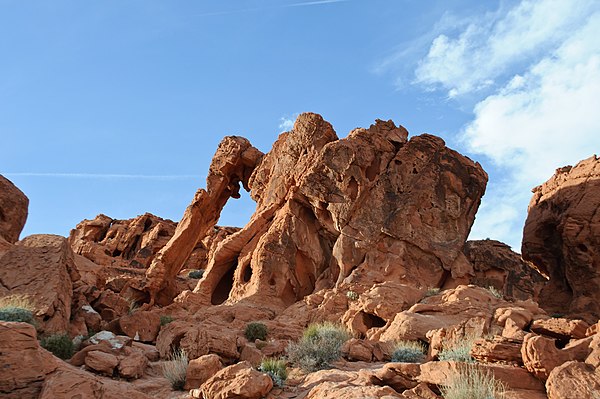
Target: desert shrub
[196, 274]
[276, 369]
[175, 369]
[164, 320]
[59, 344]
[11, 313]
[319, 346]
[17, 308]
[495, 292]
[17, 301]
[256, 331]
[459, 350]
[408, 352]
[472, 383]
[352, 295]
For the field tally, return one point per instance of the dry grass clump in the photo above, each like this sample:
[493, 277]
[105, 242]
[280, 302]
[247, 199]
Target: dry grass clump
[276, 369]
[17, 308]
[472, 383]
[459, 350]
[175, 369]
[320, 345]
[17, 301]
[408, 352]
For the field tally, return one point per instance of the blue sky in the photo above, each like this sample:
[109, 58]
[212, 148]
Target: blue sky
[117, 107]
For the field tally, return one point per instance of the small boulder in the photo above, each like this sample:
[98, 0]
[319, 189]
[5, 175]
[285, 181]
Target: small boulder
[239, 381]
[101, 362]
[201, 369]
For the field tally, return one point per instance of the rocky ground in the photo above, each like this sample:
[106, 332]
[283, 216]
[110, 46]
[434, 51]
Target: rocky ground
[367, 233]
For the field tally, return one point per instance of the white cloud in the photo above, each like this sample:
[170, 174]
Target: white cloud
[488, 48]
[541, 63]
[287, 123]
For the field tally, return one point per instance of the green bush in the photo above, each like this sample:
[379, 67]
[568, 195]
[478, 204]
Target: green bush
[256, 331]
[59, 344]
[164, 320]
[408, 352]
[175, 369]
[276, 369]
[319, 346]
[196, 274]
[12, 313]
[472, 383]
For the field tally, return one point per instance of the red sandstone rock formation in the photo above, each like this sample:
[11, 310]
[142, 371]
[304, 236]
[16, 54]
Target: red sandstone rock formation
[232, 164]
[562, 238]
[496, 265]
[368, 208]
[41, 268]
[13, 210]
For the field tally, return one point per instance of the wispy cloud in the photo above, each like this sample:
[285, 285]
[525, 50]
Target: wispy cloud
[108, 176]
[540, 63]
[298, 4]
[487, 48]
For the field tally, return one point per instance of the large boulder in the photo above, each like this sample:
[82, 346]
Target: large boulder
[239, 381]
[496, 265]
[368, 208]
[41, 268]
[30, 372]
[13, 210]
[562, 238]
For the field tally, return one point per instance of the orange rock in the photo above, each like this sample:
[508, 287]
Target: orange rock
[144, 325]
[239, 381]
[13, 210]
[41, 268]
[562, 329]
[540, 354]
[311, 231]
[496, 265]
[201, 369]
[497, 350]
[30, 372]
[444, 310]
[232, 164]
[132, 364]
[421, 391]
[24, 363]
[121, 243]
[573, 380]
[513, 378]
[400, 376]
[562, 236]
[101, 362]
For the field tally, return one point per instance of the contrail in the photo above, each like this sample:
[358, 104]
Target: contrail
[300, 4]
[104, 176]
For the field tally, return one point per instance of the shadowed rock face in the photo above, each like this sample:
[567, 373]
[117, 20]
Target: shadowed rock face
[13, 210]
[496, 265]
[368, 208]
[562, 238]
